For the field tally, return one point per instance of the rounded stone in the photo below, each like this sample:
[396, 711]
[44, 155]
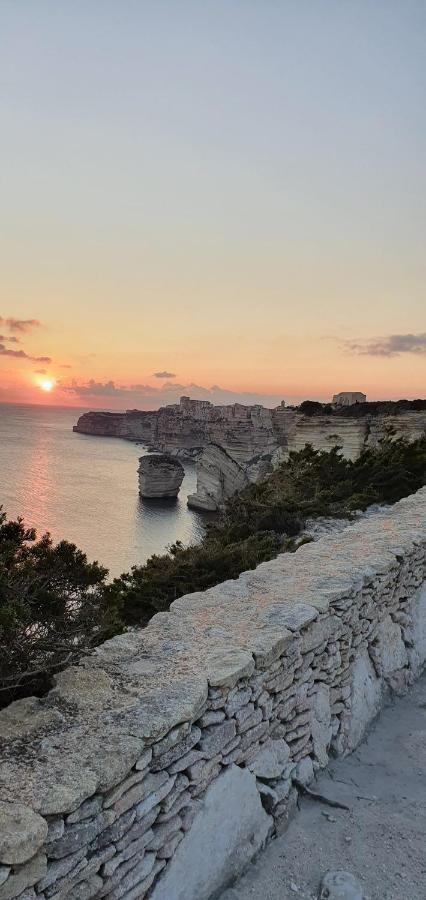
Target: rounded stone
[22, 833]
[340, 885]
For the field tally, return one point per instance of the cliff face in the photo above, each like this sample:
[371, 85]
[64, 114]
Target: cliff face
[219, 476]
[353, 435]
[245, 432]
[160, 476]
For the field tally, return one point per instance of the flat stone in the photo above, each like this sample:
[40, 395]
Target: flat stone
[139, 829]
[232, 824]
[136, 875]
[143, 886]
[226, 667]
[22, 718]
[162, 833]
[22, 833]
[87, 809]
[388, 650]
[153, 799]
[173, 737]
[115, 831]
[182, 801]
[177, 751]
[180, 785]
[134, 848]
[237, 701]
[181, 764]
[321, 723]
[216, 736]
[211, 717]
[151, 784]
[86, 688]
[23, 877]
[76, 836]
[87, 889]
[367, 693]
[269, 644]
[200, 771]
[135, 778]
[293, 616]
[55, 829]
[325, 628]
[167, 851]
[60, 868]
[271, 760]
[144, 760]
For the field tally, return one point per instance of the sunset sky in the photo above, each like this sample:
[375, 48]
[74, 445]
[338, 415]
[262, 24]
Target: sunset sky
[224, 198]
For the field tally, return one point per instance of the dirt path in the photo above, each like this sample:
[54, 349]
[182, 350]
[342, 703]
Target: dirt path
[381, 840]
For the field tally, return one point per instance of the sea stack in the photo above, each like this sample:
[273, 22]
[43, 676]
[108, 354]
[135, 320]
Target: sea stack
[160, 475]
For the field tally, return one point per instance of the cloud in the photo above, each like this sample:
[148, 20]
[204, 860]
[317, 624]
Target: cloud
[65, 366]
[20, 324]
[40, 371]
[390, 346]
[164, 375]
[20, 354]
[11, 340]
[147, 397]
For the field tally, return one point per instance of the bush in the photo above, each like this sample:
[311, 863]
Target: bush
[311, 408]
[52, 604]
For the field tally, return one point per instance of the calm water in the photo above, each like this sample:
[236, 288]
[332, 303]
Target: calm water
[85, 489]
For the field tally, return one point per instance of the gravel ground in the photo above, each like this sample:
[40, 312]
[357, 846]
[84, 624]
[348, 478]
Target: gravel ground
[381, 839]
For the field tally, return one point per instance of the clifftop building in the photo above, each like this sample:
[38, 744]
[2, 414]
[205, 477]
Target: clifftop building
[348, 398]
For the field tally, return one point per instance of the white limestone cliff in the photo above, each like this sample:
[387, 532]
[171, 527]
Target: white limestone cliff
[160, 476]
[218, 478]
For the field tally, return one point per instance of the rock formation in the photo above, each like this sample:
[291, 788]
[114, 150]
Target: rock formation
[218, 478]
[160, 476]
[245, 432]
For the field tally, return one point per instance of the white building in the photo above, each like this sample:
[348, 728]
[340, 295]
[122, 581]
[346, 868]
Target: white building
[348, 398]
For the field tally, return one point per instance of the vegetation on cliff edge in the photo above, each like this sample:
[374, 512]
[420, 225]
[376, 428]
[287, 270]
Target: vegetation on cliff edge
[56, 606]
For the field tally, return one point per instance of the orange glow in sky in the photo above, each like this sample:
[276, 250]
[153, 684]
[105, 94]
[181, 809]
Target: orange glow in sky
[214, 199]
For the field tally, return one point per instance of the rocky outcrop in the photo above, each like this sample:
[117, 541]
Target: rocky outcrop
[160, 476]
[351, 434]
[243, 431]
[246, 432]
[177, 750]
[218, 478]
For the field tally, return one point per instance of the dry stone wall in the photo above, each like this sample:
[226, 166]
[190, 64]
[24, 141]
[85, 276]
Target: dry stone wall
[162, 763]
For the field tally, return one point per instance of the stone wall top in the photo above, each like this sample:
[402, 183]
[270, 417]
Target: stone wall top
[88, 732]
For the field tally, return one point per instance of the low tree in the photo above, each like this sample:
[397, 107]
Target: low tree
[52, 608]
[311, 408]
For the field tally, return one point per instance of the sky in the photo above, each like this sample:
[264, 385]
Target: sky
[223, 198]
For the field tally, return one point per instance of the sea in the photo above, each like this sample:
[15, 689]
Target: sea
[85, 489]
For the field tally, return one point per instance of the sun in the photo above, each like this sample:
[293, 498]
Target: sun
[47, 384]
